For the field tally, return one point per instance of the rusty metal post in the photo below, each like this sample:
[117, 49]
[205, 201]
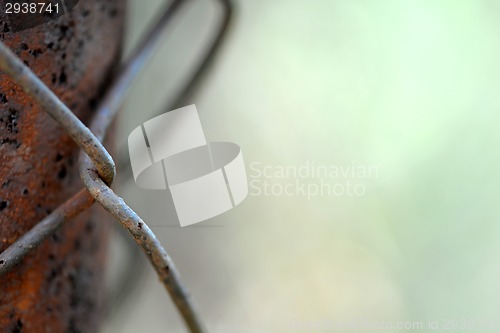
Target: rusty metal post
[59, 286]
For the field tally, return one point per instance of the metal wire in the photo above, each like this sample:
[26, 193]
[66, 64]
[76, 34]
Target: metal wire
[36, 235]
[32, 85]
[115, 95]
[131, 277]
[207, 59]
[23, 75]
[96, 165]
[191, 84]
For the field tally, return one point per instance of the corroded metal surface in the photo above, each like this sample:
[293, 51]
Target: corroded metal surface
[58, 288]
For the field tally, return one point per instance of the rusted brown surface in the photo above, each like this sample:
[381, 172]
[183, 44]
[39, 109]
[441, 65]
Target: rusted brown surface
[58, 287]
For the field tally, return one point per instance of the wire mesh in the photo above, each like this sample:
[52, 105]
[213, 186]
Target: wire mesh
[97, 168]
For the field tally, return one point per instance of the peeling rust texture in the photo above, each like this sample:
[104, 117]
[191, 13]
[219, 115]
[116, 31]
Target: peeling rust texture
[59, 286]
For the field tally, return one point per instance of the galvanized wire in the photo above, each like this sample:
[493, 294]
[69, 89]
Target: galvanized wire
[195, 78]
[113, 99]
[96, 165]
[36, 235]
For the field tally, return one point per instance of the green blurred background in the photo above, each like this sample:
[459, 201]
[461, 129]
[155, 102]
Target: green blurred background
[409, 87]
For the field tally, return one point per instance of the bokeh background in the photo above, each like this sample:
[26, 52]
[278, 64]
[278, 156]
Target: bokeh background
[408, 87]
